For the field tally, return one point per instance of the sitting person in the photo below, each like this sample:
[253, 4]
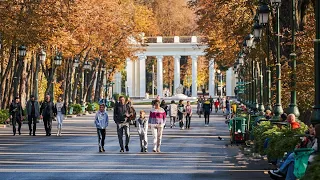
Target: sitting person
[283, 117]
[291, 119]
[287, 167]
[268, 115]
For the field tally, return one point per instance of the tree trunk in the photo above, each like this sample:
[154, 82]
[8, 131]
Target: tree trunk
[23, 82]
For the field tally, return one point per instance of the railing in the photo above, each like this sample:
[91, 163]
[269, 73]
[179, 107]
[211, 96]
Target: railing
[176, 39]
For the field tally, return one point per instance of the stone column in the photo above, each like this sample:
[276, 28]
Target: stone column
[159, 76]
[211, 78]
[142, 60]
[176, 72]
[230, 82]
[129, 77]
[194, 76]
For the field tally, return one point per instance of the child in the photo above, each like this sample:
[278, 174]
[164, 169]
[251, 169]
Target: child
[216, 105]
[181, 112]
[101, 122]
[173, 112]
[142, 126]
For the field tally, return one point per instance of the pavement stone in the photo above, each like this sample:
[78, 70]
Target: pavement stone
[186, 154]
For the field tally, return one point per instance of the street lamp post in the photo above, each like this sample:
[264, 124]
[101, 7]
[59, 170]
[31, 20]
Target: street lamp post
[57, 63]
[86, 66]
[278, 107]
[42, 57]
[263, 21]
[220, 79]
[22, 51]
[293, 108]
[315, 117]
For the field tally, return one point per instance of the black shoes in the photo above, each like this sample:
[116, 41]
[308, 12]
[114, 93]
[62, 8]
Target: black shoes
[121, 150]
[103, 149]
[141, 150]
[100, 149]
[127, 148]
[30, 133]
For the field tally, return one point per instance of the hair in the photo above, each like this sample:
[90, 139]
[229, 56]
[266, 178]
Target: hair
[143, 112]
[156, 101]
[180, 101]
[283, 116]
[121, 97]
[17, 97]
[188, 101]
[293, 117]
[32, 96]
[268, 112]
[172, 101]
[317, 130]
[102, 105]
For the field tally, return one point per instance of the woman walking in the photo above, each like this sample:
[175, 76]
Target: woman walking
[61, 112]
[188, 114]
[199, 107]
[173, 112]
[157, 120]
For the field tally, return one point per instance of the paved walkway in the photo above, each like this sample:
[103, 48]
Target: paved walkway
[186, 154]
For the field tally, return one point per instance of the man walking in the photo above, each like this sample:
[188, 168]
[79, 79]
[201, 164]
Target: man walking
[33, 114]
[16, 114]
[47, 112]
[121, 116]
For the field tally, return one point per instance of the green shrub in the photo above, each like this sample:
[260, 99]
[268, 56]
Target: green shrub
[76, 108]
[93, 107]
[4, 115]
[281, 139]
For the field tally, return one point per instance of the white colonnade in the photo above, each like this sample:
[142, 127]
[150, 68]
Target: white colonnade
[136, 69]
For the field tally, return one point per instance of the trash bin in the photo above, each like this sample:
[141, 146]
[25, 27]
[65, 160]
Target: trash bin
[239, 127]
[71, 110]
[147, 96]
[83, 108]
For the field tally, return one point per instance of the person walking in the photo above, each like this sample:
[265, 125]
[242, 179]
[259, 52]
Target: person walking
[223, 105]
[157, 120]
[61, 108]
[216, 105]
[142, 127]
[206, 110]
[228, 107]
[199, 107]
[173, 112]
[181, 112]
[101, 121]
[47, 112]
[121, 115]
[188, 114]
[211, 103]
[33, 114]
[16, 115]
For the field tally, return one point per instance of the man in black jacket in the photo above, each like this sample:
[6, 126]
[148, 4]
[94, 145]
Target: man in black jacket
[121, 116]
[16, 114]
[47, 112]
[33, 114]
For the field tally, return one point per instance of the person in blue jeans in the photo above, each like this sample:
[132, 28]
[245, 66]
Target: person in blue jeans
[287, 167]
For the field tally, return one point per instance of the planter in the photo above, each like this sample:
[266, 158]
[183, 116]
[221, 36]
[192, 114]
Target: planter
[71, 110]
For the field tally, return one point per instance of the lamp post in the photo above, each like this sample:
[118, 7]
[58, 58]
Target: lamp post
[249, 44]
[86, 66]
[257, 34]
[293, 108]
[315, 117]
[220, 79]
[42, 57]
[57, 62]
[278, 107]
[22, 50]
[263, 12]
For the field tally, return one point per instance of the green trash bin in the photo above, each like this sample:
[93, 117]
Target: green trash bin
[238, 130]
[83, 108]
[71, 110]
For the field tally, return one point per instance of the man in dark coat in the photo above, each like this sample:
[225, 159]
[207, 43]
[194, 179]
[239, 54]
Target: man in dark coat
[47, 113]
[121, 115]
[16, 114]
[33, 114]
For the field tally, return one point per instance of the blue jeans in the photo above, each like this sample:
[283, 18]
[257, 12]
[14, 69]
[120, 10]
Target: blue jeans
[287, 167]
